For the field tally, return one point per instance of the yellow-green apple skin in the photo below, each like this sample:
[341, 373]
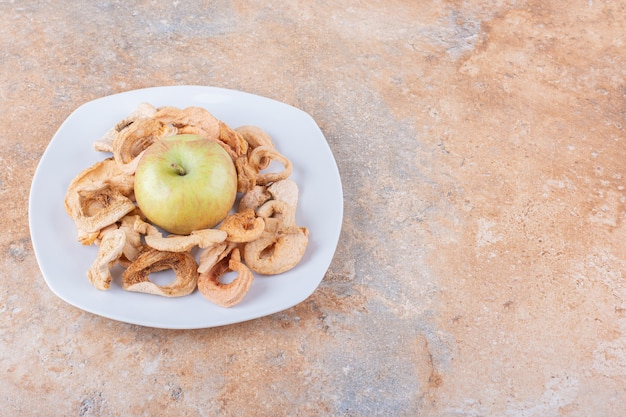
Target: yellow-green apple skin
[185, 183]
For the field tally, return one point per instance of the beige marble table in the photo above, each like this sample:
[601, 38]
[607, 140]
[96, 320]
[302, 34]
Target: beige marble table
[480, 268]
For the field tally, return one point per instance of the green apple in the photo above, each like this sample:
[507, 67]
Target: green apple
[185, 183]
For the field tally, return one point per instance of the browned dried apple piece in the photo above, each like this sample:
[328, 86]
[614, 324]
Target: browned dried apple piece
[243, 226]
[226, 295]
[255, 136]
[130, 144]
[109, 251]
[264, 178]
[179, 243]
[276, 253]
[191, 120]
[137, 275]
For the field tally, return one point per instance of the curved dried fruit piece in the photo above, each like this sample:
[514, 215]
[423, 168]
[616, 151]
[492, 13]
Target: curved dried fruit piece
[192, 120]
[276, 253]
[233, 139]
[94, 177]
[255, 136]
[179, 243]
[176, 243]
[137, 275]
[285, 190]
[132, 142]
[212, 255]
[254, 198]
[110, 249]
[226, 295]
[133, 245]
[246, 174]
[243, 226]
[261, 152]
[96, 209]
[92, 192]
[143, 111]
[279, 217]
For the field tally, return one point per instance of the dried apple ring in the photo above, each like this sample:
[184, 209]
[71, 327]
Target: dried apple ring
[233, 139]
[143, 111]
[255, 136]
[194, 120]
[137, 276]
[109, 251]
[285, 190]
[246, 174]
[254, 198]
[212, 255]
[226, 295]
[203, 238]
[178, 243]
[96, 176]
[261, 152]
[132, 142]
[96, 209]
[133, 245]
[276, 253]
[243, 226]
[278, 217]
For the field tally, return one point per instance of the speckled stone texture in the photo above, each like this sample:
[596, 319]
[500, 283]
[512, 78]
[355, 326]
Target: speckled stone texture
[480, 270]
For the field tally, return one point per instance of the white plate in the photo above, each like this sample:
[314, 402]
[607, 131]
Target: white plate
[64, 262]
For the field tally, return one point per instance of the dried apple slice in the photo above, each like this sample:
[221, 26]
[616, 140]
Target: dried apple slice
[243, 226]
[226, 295]
[137, 275]
[109, 251]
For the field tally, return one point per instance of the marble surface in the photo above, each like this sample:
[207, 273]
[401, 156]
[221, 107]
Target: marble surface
[480, 269]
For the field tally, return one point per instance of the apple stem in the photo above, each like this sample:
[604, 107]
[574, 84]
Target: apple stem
[178, 168]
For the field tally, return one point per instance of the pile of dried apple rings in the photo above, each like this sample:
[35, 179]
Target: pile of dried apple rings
[260, 236]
